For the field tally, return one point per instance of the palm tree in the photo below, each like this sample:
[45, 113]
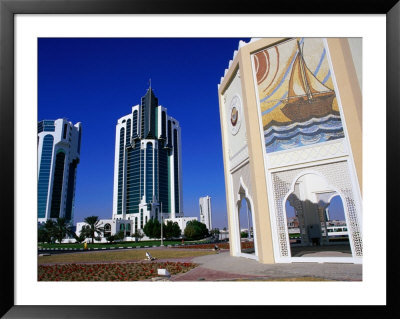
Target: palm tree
[79, 239]
[49, 228]
[61, 229]
[93, 227]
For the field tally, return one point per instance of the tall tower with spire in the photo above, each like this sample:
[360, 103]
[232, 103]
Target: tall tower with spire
[147, 170]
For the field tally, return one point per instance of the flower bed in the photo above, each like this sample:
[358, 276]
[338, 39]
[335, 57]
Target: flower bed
[109, 272]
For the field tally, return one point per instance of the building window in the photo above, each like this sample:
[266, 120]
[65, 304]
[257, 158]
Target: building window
[107, 230]
[149, 171]
[79, 140]
[57, 185]
[65, 131]
[156, 192]
[120, 170]
[70, 189]
[163, 177]
[141, 218]
[134, 124]
[142, 117]
[169, 134]
[163, 125]
[47, 126]
[141, 173]
[176, 169]
[128, 132]
[133, 179]
[44, 174]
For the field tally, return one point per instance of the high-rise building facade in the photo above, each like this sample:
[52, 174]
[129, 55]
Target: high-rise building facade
[59, 143]
[205, 211]
[147, 170]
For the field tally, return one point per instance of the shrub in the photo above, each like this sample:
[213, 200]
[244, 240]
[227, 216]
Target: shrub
[171, 229]
[43, 236]
[195, 230]
[120, 235]
[152, 229]
[138, 234]
[110, 238]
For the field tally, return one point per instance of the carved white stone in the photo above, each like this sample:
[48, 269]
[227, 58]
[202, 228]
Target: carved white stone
[236, 134]
[307, 154]
[244, 173]
[338, 175]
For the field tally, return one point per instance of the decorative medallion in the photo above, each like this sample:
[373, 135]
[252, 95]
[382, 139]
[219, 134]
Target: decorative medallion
[235, 111]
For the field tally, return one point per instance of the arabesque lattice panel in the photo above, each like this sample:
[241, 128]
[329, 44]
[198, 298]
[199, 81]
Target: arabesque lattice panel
[337, 175]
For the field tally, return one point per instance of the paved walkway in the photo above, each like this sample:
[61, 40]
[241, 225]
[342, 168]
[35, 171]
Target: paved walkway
[222, 266]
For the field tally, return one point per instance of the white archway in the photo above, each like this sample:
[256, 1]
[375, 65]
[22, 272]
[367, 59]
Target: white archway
[243, 193]
[310, 194]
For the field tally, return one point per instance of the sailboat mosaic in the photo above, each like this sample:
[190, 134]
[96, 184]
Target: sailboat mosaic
[297, 99]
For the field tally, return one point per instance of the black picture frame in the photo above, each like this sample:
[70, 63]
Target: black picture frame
[9, 8]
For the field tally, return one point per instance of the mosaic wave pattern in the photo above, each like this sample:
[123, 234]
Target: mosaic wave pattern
[278, 138]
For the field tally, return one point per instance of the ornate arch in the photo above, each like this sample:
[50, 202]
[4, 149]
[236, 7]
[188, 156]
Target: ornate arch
[241, 193]
[333, 174]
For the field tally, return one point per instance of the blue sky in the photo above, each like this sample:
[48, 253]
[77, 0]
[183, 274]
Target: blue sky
[96, 81]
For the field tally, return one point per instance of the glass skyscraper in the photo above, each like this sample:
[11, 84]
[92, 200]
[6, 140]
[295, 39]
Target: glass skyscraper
[147, 171]
[59, 143]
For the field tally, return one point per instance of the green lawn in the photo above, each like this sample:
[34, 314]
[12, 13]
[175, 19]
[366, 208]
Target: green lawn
[117, 244]
[120, 256]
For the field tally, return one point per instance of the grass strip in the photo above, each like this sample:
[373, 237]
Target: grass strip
[119, 255]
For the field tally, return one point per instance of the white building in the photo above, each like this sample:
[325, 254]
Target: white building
[205, 211]
[111, 227]
[59, 143]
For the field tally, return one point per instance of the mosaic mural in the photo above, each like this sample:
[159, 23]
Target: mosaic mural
[297, 99]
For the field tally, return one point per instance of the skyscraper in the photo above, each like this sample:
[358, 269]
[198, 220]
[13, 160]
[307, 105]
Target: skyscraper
[59, 143]
[205, 211]
[147, 169]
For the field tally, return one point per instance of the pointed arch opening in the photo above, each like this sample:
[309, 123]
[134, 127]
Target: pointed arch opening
[316, 219]
[245, 226]
[245, 232]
